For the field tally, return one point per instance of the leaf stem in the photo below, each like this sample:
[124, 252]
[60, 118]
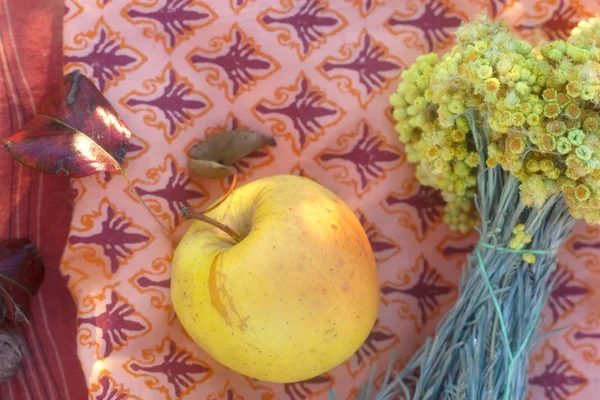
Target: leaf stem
[218, 203]
[137, 196]
[188, 213]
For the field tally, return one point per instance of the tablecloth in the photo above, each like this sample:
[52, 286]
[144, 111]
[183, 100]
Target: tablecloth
[316, 75]
[37, 206]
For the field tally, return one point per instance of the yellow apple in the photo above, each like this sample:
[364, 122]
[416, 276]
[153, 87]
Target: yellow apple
[297, 296]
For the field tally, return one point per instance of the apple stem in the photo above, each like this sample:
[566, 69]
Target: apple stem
[188, 213]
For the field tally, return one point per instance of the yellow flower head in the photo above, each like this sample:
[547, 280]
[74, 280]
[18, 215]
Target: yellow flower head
[539, 109]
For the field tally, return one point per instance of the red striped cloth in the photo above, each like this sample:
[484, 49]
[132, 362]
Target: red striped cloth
[34, 205]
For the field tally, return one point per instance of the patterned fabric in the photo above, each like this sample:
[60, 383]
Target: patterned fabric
[37, 206]
[316, 74]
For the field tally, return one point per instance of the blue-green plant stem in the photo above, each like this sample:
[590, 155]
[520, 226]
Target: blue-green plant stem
[481, 348]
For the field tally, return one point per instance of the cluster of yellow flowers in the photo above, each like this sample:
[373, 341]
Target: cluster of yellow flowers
[519, 240]
[443, 157]
[537, 110]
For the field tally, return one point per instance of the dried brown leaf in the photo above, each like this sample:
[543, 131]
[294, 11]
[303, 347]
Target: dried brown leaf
[214, 156]
[209, 169]
[12, 351]
[21, 274]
